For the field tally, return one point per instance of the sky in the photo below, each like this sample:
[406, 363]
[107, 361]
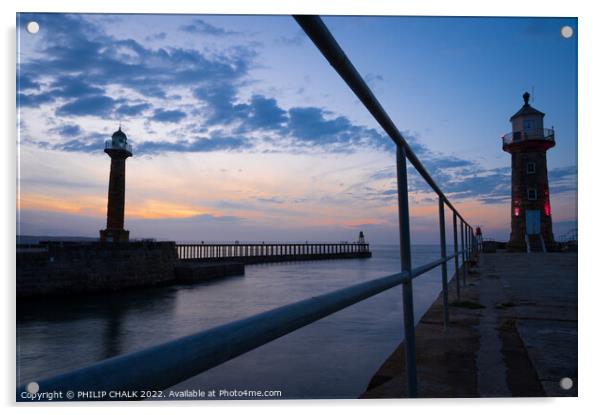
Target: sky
[241, 130]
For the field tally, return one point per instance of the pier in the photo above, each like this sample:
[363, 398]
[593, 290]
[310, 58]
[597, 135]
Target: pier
[512, 333]
[271, 252]
[73, 268]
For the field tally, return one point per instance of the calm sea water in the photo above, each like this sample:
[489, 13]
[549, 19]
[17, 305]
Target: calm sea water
[331, 358]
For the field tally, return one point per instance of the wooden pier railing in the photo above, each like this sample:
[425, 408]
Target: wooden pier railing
[254, 253]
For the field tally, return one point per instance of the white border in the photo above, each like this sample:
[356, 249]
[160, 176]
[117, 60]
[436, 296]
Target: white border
[590, 150]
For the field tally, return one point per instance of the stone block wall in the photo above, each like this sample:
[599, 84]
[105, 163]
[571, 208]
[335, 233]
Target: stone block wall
[94, 267]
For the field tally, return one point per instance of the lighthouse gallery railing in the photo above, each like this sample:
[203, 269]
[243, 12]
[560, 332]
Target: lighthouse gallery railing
[165, 365]
[535, 134]
[109, 144]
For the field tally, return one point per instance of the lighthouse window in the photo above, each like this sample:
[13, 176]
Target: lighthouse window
[530, 168]
[532, 194]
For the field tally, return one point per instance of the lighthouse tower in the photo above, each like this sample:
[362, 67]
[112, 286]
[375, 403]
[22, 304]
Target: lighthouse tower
[530, 210]
[119, 150]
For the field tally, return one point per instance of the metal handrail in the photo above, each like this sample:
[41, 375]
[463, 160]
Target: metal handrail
[317, 31]
[183, 358]
[418, 271]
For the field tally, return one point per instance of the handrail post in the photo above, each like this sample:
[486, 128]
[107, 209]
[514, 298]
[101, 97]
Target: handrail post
[456, 255]
[469, 242]
[473, 239]
[472, 250]
[406, 266]
[462, 235]
[466, 242]
[466, 233]
[443, 264]
[472, 242]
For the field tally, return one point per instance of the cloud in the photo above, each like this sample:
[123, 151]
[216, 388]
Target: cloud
[222, 108]
[94, 143]
[563, 179]
[199, 26]
[132, 110]
[25, 83]
[62, 87]
[373, 79]
[382, 174]
[220, 99]
[34, 100]
[73, 87]
[69, 130]
[95, 60]
[161, 115]
[265, 113]
[156, 36]
[87, 144]
[459, 178]
[200, 144]
[80, 64]
[274, 199]
[295, 40]
[84, 64]
[204, 218]
[487, 185]
[492, 186]
[447, 162]
[312, 126]
[98, 105]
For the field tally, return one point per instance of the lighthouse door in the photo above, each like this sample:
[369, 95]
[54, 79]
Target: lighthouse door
[533, 222]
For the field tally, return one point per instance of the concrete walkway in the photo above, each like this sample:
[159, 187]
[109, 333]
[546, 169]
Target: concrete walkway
[513, 332]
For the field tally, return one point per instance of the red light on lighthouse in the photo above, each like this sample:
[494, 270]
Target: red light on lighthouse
[516, 211]
[546, 208]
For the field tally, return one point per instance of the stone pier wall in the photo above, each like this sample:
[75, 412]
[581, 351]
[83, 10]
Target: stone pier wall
[93, 267]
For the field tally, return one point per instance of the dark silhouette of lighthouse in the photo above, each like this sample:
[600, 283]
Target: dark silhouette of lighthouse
[531, 213]
[119, 150]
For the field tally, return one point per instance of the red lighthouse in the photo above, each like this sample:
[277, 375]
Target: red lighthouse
[530, 210]
[119, 150]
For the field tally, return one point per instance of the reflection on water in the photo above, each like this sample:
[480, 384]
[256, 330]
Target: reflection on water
[331, 358]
